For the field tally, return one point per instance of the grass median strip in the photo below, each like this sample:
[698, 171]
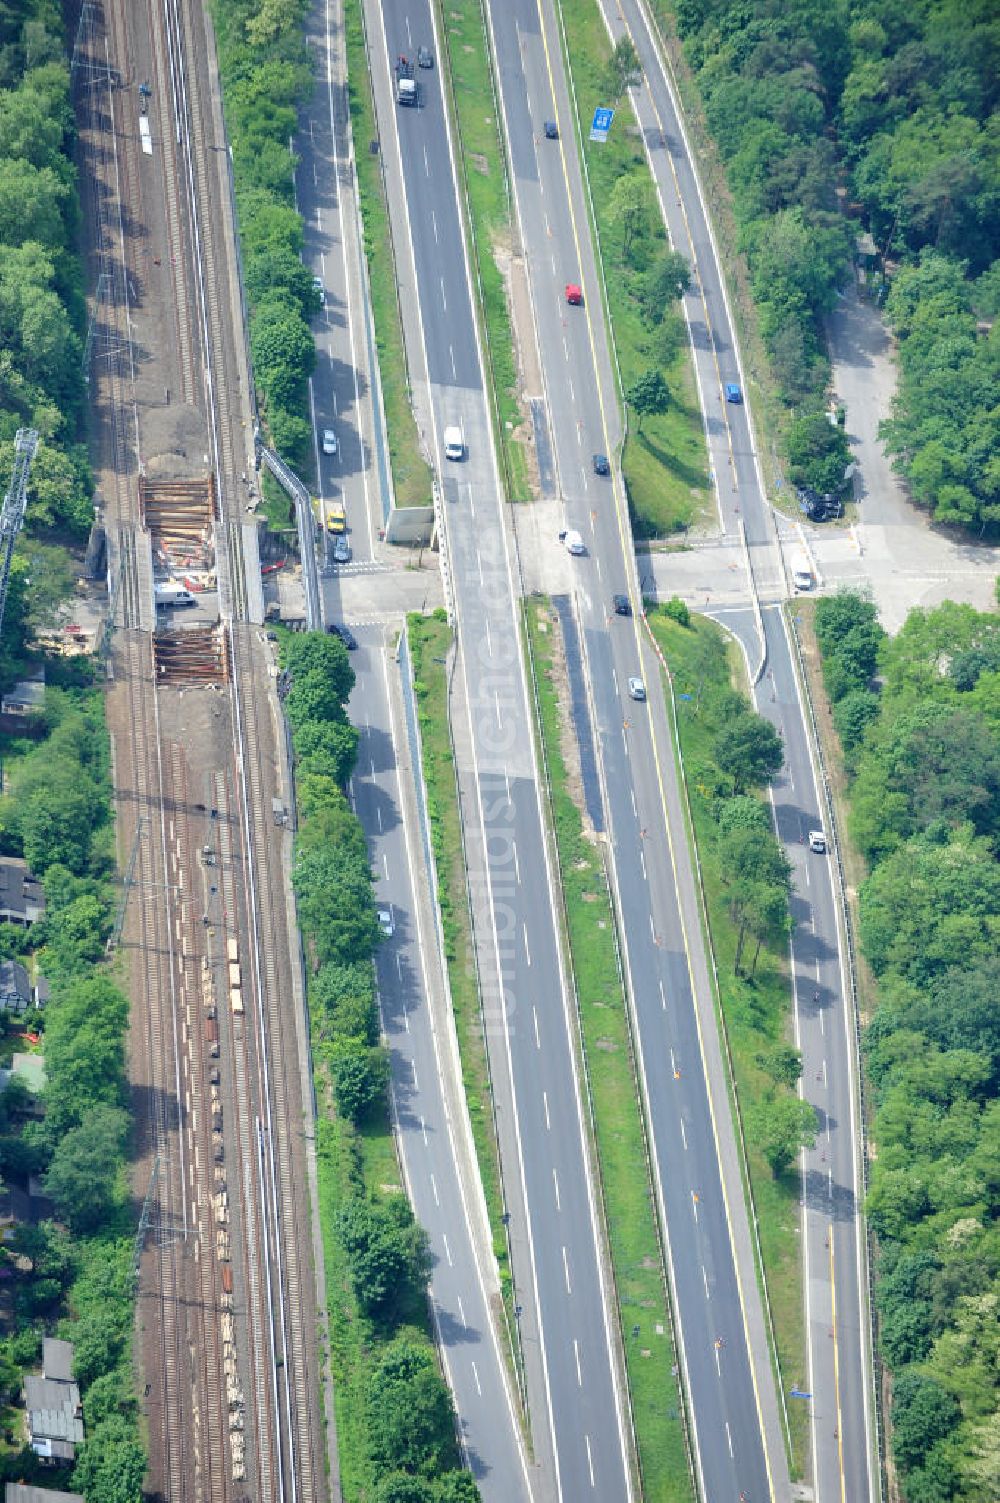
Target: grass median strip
[483, 169]
[755, 1008]
[430, 640]
[664, 463]
[635, 1249]
[410, 472]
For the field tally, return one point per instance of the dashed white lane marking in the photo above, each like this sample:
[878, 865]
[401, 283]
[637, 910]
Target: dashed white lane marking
[434, 1189]
[444, 300]
[704, 1279]
[517, 866]
[729, 1438]
[461, 1310]
[447, 1251]
[534, 1014]
[545, 1105]
[576, 1354]
[642, 863]
[475, 1374]
[684, 1136]
[416, 1083]
[527, 952]
[423, 1131]
[427, 165]
[590, 1462]
[434, 225]
[555, 1186]
[569, 1286]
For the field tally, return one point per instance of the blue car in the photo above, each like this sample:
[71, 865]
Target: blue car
[733, 393]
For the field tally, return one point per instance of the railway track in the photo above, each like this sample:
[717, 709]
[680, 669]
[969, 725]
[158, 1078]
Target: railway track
[232, 1392]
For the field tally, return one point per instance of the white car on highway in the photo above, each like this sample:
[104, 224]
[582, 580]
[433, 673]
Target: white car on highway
[330, 444]
[386, 922]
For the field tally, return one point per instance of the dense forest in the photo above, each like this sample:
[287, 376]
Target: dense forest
[877, 115]
[41, 312]
[922, 746]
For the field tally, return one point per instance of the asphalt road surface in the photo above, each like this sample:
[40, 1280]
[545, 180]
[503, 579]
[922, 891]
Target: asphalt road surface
[725, 1391]
[837, 1320]
[426, 1127]
[525, 994]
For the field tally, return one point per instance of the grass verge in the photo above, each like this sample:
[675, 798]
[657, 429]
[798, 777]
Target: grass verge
[665, 466]
[755, 1012]
[483, 167]
[410, 472]
[430, 638]
[635, 1249]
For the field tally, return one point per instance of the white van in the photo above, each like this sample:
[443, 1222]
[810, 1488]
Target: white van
[574, 543]
[801, 570]
[454, 443]
[169, 593]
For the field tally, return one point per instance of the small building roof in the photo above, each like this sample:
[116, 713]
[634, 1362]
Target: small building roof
[31, 1069]
[22, 896]
[57, 1359]
[14, 980]
[19, 1492]
[26, 696]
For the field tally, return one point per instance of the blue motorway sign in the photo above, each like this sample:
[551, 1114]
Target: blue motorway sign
[601, 124]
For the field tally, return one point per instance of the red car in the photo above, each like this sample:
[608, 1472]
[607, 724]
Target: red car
[574, 294]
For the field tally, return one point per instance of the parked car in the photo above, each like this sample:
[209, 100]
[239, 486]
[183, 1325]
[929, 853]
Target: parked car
[574, 294]
[601, 466]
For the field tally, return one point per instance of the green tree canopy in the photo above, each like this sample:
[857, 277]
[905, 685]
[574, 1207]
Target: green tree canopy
[388, 1255]
[648, 395]
[82, 1177]
[411, 1426]
[749, 750]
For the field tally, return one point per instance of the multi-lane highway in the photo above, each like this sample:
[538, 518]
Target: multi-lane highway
[429, 1112]
[579, 1430]
[838, 1325]
[737, 1434]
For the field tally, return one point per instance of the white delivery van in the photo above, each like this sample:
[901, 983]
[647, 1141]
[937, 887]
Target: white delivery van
[454, 443]
[169, 593]
[801, 568]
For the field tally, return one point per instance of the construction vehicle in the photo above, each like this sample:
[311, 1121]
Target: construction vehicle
[406, 84]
